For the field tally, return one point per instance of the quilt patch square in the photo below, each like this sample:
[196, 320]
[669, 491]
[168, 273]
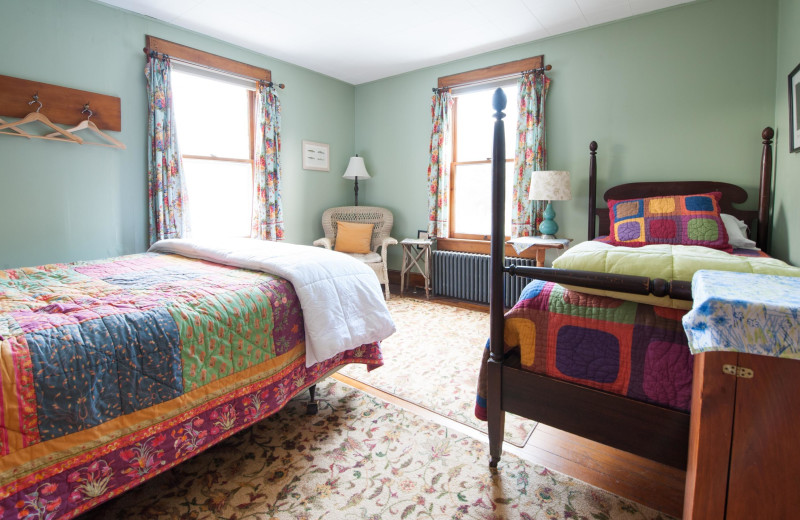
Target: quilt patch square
[702, 229]
[663, 228]
[695, 203]
[88, 373]
[629, 209]
[590, 352]
[659, 205]
[630, 230]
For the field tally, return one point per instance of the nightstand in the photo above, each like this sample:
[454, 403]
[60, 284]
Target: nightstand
[520, 244]
[414, 250]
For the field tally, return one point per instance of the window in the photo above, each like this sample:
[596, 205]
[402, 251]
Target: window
[214, 118]
[471, 169]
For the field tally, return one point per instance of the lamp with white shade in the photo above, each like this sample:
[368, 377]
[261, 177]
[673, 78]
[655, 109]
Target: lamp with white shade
[549, 185]
[356, 170]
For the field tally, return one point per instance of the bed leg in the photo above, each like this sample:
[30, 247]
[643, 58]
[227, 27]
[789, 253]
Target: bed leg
[312, 408]
[495, 415]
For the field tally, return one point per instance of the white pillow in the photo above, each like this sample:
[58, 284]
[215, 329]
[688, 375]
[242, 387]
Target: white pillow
[737, 232]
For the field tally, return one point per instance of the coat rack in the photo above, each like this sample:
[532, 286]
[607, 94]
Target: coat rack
[60, 105]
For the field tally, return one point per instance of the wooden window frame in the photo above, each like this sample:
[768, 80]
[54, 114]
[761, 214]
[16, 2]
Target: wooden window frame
[468, 242]
[224, 65]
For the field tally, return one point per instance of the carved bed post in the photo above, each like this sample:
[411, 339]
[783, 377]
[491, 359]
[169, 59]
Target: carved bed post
[494, 411]
[765, 190]
[592, 190]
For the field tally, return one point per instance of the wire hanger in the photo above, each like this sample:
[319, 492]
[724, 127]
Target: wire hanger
[34, 117]
[88, 124]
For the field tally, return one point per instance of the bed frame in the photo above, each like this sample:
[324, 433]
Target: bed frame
[651, 431]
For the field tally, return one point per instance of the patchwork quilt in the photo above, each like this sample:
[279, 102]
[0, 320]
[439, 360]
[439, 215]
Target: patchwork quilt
[627, 348]
[115, 370]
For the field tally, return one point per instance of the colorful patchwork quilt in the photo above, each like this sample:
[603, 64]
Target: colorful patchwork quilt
[627, 348]
[114, 371]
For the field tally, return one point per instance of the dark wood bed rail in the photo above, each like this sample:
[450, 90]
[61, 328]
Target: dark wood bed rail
[677, 289]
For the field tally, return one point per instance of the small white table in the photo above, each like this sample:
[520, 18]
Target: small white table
[414, 250]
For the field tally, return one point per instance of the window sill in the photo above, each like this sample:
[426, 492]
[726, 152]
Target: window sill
[481, 247]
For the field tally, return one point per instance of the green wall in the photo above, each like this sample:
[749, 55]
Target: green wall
[62, 202]
[682, 93]
[678, 94]
[786, 210]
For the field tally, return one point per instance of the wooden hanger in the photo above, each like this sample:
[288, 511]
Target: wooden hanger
[36, 116]
[86, 123]
[19, 132]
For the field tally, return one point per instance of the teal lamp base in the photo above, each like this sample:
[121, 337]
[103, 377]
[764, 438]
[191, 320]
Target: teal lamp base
[548, 227]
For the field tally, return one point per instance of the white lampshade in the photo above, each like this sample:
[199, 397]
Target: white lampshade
[550, 185]
[356, 169]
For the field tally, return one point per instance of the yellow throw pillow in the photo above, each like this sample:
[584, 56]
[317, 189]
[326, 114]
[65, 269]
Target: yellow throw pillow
[353, 238]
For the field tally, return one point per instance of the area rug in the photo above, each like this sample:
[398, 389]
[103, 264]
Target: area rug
[433, 361]
[361, 458]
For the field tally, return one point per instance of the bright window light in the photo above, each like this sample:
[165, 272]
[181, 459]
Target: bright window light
[474, 132]
[213, 125]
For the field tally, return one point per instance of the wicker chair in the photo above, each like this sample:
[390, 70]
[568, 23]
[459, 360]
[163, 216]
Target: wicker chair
[383, 220]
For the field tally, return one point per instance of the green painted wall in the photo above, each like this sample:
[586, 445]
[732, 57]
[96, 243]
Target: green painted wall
[681, 93]
[678, 94]
[62, 202]
[786, 210]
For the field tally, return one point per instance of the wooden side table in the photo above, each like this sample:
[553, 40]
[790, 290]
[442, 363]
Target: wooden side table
[414, 250]
[540, 245]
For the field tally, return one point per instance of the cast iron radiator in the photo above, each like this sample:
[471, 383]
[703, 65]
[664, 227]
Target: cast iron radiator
[466, 276]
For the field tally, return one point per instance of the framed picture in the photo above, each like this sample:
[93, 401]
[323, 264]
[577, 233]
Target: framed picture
[316, 156]
[422, 235]
[794, 110]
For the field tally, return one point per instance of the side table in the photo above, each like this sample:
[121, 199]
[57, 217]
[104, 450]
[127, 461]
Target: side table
[414, 250]
[540, 244]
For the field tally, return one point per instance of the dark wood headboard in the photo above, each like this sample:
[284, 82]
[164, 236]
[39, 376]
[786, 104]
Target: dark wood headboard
[731, 194]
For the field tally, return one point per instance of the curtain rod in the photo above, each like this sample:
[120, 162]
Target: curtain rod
[156, 54]
[540, 70]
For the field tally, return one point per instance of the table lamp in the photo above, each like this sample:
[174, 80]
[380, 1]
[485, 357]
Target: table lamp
[549, 185]
[356, 170]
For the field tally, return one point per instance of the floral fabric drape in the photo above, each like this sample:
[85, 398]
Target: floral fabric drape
[530, 155]
[439, 165]
[267, 207]
[165, 181]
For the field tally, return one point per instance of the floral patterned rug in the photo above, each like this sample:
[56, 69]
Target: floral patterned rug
[361, 458]
[433, 360]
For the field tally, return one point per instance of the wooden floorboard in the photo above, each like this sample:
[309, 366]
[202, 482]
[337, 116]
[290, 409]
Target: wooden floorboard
[635, 478]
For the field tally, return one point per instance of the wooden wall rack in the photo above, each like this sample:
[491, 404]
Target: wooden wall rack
[60, 104]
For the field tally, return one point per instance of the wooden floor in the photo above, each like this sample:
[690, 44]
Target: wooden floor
[635, 478]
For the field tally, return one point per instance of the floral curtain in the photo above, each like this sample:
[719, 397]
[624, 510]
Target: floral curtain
[530, 155]
[165, 182]
[439, 165]
[267, 208]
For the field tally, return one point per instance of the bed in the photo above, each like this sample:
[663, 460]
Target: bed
[631, 422]
[115, 370]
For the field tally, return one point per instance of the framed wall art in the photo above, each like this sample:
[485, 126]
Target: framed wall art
[316, 156]
[794, 110]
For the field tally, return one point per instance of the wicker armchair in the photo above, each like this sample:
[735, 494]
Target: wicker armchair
[383, 220]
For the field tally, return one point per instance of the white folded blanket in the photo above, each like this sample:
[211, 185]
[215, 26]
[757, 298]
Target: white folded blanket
[341, 298]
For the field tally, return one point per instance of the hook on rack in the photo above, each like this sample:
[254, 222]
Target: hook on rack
[86, 109]
[36, 100]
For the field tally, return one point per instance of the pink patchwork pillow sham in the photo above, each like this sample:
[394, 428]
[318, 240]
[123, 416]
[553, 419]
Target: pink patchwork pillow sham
[689, 220]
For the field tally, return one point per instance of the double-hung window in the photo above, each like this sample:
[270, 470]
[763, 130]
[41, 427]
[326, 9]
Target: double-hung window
[471, 169]
[214, 118]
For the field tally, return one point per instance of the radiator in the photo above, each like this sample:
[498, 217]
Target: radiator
[466, 276]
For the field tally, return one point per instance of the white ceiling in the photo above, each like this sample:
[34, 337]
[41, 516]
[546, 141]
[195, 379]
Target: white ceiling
[364, 40]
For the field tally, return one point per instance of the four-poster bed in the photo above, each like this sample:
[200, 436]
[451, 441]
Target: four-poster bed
[657, 432]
